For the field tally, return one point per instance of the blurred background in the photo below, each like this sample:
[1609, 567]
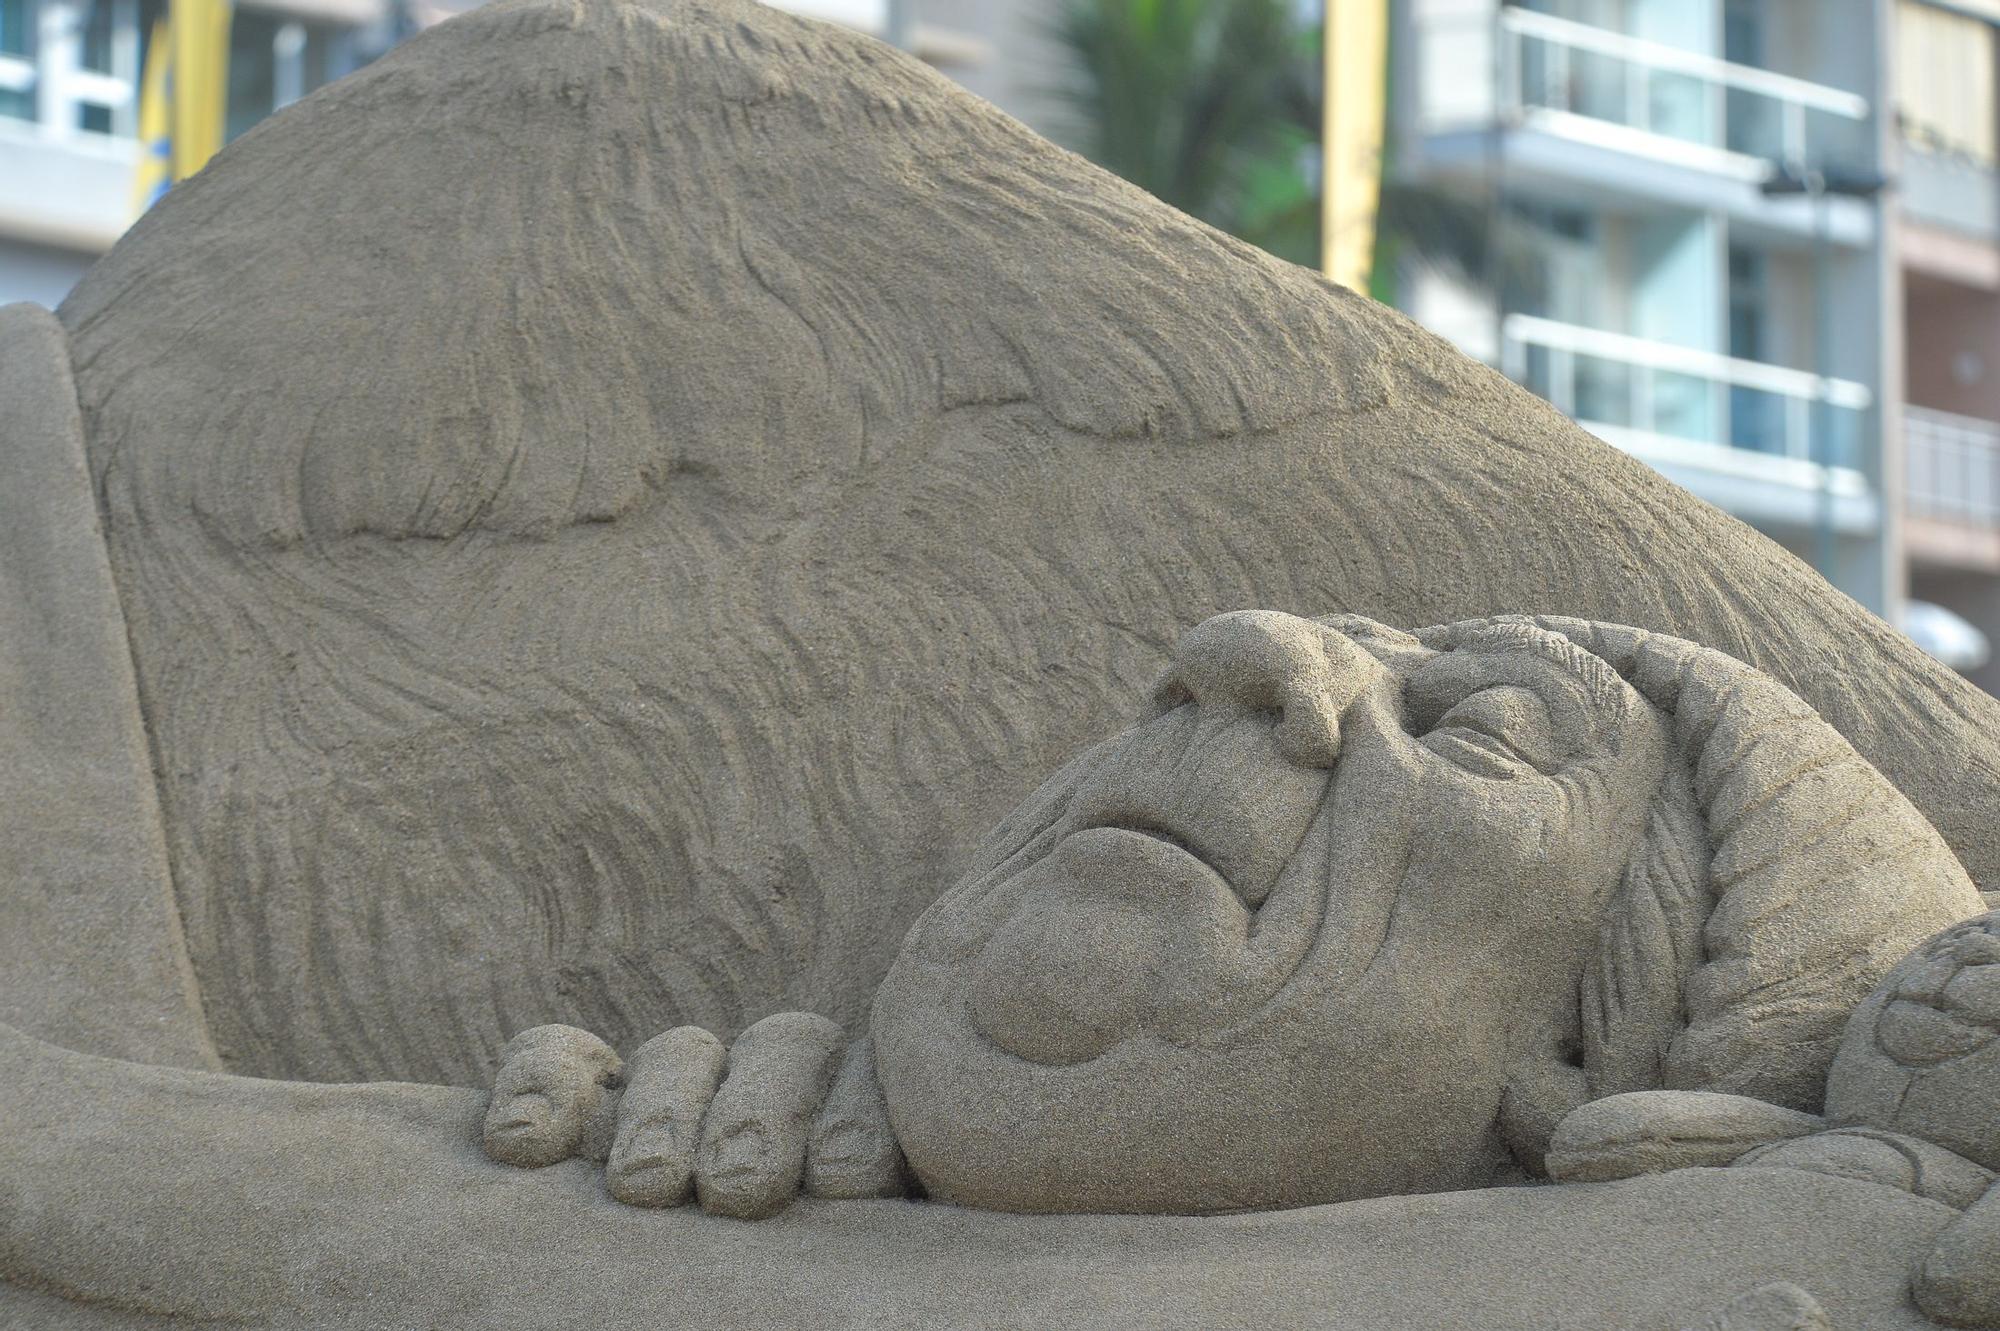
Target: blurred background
[1753, 243]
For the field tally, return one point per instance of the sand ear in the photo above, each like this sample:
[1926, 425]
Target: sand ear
[1820, 874]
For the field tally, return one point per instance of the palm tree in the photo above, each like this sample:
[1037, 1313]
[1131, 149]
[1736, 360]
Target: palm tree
[1214, 106]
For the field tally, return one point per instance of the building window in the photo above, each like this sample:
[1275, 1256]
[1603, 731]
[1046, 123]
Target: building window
[272, 63]
[1944, 79]
[1749, 297]
[1564, 276]
[77, 64]
[1756, 417]
[17, 28]
[97, 36]
[73, 65]
[1752, 119]
[17, 56]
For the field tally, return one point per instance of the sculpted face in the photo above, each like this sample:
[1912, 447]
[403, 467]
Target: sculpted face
[1288, 940]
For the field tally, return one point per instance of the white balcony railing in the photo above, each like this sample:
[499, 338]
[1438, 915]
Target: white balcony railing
[1615, 382]
[1557, 69]
[1954, 466]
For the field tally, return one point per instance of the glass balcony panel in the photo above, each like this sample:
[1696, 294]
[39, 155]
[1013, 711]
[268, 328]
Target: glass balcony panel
[94, 48]
[1953, 466]
[1680, 107]
[1582, 69]
[1845, 438]
[1755, 124]
[1536, 376]
[1619, 382]
[1603, 388]
[1950, 190]
[1757, 420]
[1596, 86]
[1680, 406]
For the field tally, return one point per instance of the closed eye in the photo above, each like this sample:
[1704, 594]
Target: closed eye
[1495, 729]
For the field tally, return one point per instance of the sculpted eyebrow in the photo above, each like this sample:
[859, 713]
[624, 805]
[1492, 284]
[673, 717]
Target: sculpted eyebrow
[1575, 710]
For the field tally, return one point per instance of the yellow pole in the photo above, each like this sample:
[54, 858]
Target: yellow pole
[200, 30]
[1357, 77]
[156, 140]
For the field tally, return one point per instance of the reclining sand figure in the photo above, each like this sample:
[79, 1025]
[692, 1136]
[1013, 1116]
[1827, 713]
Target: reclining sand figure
[1738, 877]
[1356, 913]
[532, 589]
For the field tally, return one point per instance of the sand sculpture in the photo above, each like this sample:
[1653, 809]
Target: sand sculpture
[589, 523]
[1277, 946]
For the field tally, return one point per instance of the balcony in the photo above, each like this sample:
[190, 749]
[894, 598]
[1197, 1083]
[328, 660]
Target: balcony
[1596, 113]
[1739, 433]
[69, 74]
[1954, 467]
[1951, 191]
[1668, 102]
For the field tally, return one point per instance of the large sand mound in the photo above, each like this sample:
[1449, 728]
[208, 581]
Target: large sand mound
[614, 499]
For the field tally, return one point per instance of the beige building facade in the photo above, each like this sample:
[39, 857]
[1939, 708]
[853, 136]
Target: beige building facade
[1948, 264]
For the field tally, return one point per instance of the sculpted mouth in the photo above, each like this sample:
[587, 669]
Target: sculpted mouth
[1154, 830]
[1074, 969]
[1476, 751]
[1968, 1011]
[1180, 841]
[1223, 797]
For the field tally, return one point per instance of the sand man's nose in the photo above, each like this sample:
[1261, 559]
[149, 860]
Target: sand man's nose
[1267, 661]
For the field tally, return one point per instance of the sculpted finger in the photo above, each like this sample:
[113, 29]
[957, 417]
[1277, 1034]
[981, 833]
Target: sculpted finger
[852, 1151]
[668, 1088]
[1959, 1282]
[1653, 1132]
[753, 1143]
[550, 1096]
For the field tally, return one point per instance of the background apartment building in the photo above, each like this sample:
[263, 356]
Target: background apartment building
[1751, 242]
[69, 95]
[1690, 240]
[1948, 258]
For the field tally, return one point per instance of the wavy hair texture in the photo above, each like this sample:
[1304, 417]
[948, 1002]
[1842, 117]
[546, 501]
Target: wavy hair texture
[698, 268]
